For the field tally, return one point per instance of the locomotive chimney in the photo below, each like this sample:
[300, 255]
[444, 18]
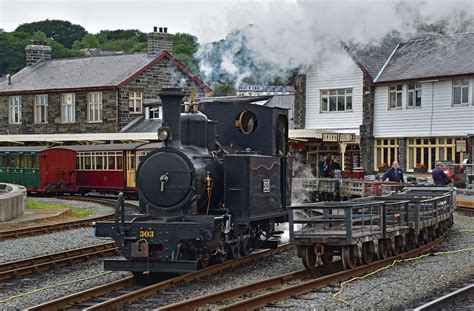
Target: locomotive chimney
[171, 99]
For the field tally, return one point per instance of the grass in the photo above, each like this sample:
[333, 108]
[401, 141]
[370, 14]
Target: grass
[36, 204]
[74, 212]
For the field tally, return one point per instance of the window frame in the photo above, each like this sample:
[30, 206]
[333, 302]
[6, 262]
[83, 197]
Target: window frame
[42, 106]
[99, 117]
[326, 94]
[133, 99]
[461, 86]
[413, 89]
[73, 108]
[17, 106]
[396, 91]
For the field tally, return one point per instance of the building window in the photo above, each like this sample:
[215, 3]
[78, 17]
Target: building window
[95, 107]
[14, 115]
[135, 102]
[414, 95]
[41, 109]
[156, 113]
[460, 92]
[68, 110]
[386, 151]
[336, 100]
[425, 152]
[395, 96]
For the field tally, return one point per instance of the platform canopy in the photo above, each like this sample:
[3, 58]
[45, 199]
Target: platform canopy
[73, 139]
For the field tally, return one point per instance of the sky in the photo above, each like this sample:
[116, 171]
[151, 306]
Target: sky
[207, 19]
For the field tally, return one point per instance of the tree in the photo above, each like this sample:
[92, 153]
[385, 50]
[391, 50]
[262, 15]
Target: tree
[224, 89]
[184, 48]
[63, 32]
[12, 51]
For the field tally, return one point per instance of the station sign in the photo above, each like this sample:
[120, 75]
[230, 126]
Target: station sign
[347, 138]
[331, 137]
[461, 145]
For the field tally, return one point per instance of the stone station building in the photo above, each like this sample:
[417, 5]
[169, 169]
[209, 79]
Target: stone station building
[102, 94]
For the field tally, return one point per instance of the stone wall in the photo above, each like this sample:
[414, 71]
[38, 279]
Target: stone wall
[55, 125]
[36, 53]
[299, 112]
[367, 128]
[163, 73]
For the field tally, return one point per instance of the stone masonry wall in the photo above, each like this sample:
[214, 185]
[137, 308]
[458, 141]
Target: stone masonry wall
[164, 73]
[299, 114]
[54, 125]
[367, 128]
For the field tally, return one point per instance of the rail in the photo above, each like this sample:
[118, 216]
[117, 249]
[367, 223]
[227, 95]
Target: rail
[273, 295]
[118, 301]
[27, 266]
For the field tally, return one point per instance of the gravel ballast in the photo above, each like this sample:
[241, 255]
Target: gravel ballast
[61, 276]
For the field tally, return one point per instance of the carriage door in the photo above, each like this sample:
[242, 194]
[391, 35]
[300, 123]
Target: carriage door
[131, 168]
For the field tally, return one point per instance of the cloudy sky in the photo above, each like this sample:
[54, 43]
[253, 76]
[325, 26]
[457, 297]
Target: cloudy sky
[204, 18]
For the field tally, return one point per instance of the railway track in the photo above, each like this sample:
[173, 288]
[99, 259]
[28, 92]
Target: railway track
[460, 299]
[27, 266]
[38, 230]
[93, 299]
[467, 210]
[278, 288]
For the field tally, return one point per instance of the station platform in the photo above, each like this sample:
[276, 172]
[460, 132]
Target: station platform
[465, 198]
[37, 215]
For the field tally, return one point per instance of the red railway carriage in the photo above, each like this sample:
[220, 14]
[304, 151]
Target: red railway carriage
[109, 167]
[39, 169]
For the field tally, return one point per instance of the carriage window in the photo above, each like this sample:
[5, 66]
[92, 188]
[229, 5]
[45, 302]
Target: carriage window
[119, 162]
[99, 161]
[35, 162]
[111, 162]
[8, 160]
[87, 162]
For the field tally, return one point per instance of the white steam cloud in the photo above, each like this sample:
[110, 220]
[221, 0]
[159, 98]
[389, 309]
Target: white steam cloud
[293, 34]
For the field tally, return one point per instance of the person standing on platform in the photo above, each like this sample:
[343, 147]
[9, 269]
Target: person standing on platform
[327, 167]
[394, 173]
[440, 178]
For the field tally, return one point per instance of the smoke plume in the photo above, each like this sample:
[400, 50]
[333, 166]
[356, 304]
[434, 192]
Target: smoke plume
[276, 37]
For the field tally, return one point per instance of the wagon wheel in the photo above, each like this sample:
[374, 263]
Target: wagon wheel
[439, 231]
[392, 246]
[431, 233]
[367, 255]
[349, 260]
[309, 257]
[382, 249]
[422, 237]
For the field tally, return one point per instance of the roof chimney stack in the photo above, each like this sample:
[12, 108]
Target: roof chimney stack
[158, 42]
[37, 53]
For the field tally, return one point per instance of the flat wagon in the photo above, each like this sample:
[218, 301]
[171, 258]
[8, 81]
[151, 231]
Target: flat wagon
[361, 230]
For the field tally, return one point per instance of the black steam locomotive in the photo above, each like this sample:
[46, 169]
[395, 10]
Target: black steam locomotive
[204, 199]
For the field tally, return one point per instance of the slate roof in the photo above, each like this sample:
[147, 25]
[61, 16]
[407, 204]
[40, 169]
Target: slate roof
[372, 57]
[144, 126]
[86, 73]
[434, 57]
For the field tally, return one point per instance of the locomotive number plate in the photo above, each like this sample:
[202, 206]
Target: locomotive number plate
[266, 185]
[146, 234]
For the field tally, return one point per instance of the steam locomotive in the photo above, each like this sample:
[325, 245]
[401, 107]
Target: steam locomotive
[213, 192]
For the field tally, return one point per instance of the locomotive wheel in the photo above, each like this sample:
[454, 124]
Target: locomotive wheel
[178, 253]
[382, 249]
[234, 251]
[367, 255]
[220, 255]
[309, 257]
[349, 260]
[245, 248]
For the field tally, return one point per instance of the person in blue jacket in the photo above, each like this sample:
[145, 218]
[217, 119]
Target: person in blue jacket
[394, 173]
[440, 178]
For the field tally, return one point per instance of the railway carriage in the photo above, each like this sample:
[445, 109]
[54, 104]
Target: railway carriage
[39, 169]
[109, 167]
